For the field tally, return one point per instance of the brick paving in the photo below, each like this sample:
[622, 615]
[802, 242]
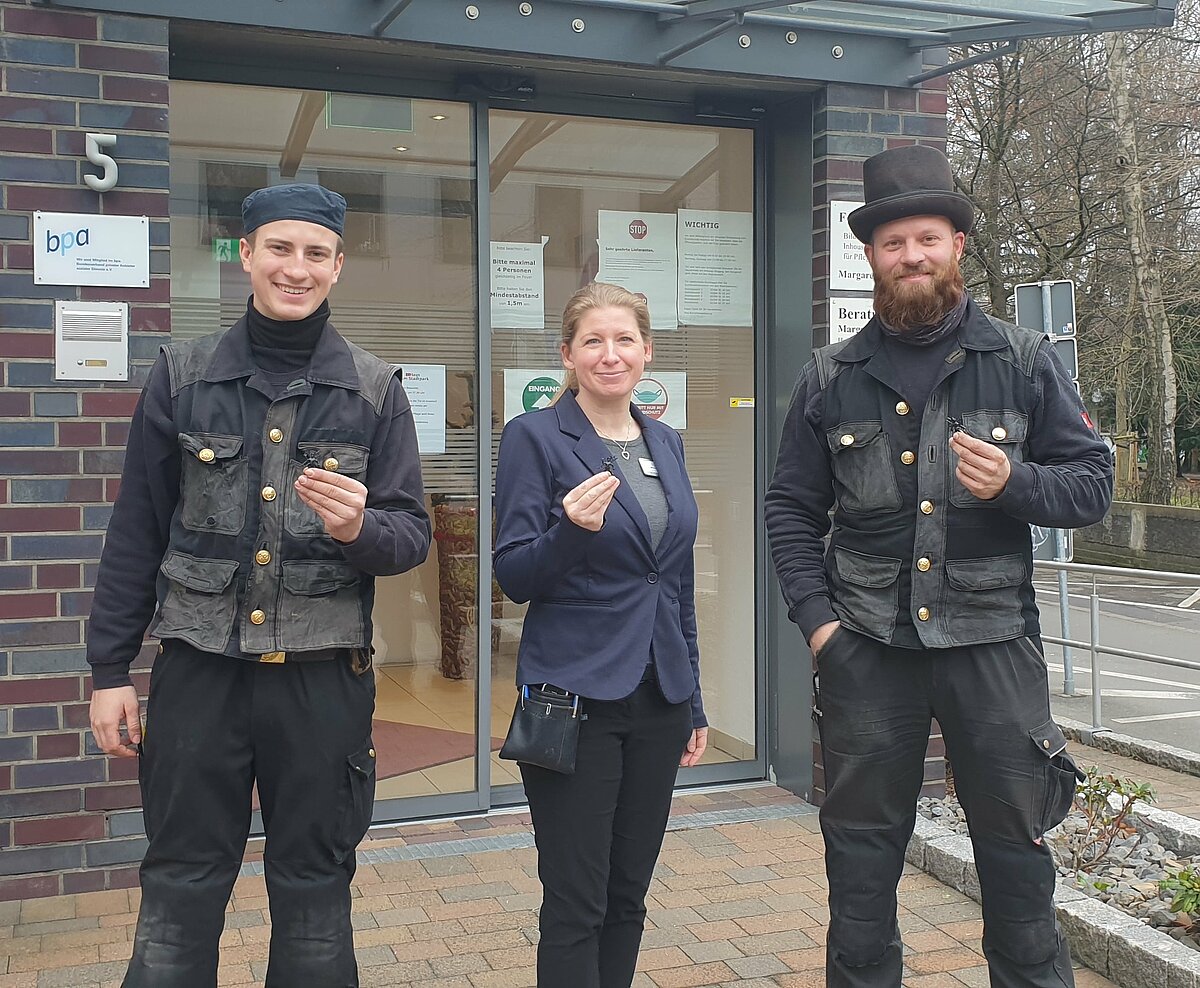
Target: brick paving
[1176, 792]
[739, 903]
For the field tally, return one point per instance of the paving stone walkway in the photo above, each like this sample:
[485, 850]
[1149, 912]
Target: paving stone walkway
[1176, 792]
[738, 899]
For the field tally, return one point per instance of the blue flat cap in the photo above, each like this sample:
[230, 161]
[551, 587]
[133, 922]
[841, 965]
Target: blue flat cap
[310, 203]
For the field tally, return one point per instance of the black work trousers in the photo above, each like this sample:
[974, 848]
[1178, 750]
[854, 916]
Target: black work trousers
[1014, 782]
[215, 725]
[598, 835]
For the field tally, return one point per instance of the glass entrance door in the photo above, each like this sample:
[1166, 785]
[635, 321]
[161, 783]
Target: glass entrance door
[666, 210]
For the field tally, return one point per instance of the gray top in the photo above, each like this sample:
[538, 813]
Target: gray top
[648, 490]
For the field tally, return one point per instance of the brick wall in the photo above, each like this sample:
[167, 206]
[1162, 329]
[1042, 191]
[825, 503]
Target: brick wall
[851, 123]
[66, 813]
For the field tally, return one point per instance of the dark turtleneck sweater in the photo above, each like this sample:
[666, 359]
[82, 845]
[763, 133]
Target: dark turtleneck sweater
[282, 347]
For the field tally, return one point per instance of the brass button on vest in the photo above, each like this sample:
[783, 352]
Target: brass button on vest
[926, 507]
[847, 440]
[1045, 743]
[922, 613]
[908, 457]
[262, 557]
[371, 752]
[999, 433]
[257, 617]
[923, 564]
[206, 455]
[902, 408]
[268, 494]
[276, 435]
[331, 464]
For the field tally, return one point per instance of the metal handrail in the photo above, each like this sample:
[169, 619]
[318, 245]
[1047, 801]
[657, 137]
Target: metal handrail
[1094, 646]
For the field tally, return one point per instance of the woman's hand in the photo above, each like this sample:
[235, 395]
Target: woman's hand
[696, 745]
[586, 504]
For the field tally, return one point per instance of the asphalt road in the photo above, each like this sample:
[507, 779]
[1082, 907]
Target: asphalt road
[1139, 698]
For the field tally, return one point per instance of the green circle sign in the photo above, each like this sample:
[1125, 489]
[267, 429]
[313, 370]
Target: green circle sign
[539, 393]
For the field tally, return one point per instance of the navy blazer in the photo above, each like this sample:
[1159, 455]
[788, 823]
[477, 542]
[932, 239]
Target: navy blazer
[600, 603]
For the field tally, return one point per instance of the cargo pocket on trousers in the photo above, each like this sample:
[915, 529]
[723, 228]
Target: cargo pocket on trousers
[359, 801]
[1055, 794]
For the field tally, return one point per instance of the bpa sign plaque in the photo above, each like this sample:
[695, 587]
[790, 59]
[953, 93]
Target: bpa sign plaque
[89, 249]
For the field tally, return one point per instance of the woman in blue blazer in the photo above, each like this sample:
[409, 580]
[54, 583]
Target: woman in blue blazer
[595, 523]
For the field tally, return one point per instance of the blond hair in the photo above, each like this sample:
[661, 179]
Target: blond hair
[599, 295]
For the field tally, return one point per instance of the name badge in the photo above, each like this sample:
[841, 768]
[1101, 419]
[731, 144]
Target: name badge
[648, 467]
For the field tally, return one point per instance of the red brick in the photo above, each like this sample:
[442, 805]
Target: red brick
[120, 797]
[119, 87]
[110, 403]
[15, 691]
[31, 197]
[77, 715]
[58, 576]
[122, 769]
[54, 24]
[150, 61]
[159, 290]
[16, 606]
[136, 204]
[3, 491]
[27, 345]
[57, 746]
[40, 520]
[124, 878]
[80, 434]
[149, 319]
[899, 142]
[112, 487]
[14, 405]
[57, 830]
[28, 888]
[19, 257]
[5, 777]
[26, 139]
[933, 102]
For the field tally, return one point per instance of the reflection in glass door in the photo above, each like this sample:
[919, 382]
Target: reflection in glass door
[407, 293]
[570, 194]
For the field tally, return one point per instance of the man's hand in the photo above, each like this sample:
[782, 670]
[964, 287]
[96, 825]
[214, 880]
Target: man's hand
[983, 469]
[586, 504]
[694, 750]
[821, 636]
[339, 501]
[110, 709]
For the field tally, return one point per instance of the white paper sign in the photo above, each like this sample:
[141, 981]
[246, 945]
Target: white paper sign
[90, 249]
[716, 268]
[659, 395]
[848, 315]
[518, 286]
[425, 385]
[637, 251]
[849, 269]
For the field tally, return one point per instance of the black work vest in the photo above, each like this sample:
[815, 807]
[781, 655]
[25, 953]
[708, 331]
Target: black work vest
[249, 568]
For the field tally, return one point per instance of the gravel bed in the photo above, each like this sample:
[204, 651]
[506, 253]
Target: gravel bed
[1127, 879]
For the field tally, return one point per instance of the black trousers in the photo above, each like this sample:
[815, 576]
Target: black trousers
[214, 726]
[598, 835]
[992, 702]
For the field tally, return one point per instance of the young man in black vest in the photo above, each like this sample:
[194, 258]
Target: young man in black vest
[938, 435]
[271, 474]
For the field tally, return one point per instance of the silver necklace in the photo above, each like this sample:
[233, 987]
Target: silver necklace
[623, 447]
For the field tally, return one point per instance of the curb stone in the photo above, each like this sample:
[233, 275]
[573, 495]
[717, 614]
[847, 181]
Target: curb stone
[1105, 939]
[1150, 752]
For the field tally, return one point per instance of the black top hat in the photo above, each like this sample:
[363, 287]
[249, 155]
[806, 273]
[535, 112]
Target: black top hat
[914, 180]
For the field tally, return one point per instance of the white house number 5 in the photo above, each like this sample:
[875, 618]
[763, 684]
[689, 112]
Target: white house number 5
[93, 143]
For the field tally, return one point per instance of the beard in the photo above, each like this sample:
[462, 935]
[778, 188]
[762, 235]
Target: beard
[906, 307]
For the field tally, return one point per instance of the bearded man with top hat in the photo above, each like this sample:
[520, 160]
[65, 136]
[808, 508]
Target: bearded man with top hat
[937, 434]
[271, 474]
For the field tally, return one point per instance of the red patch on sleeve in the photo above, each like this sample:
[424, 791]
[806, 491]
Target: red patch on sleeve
[1087, 420]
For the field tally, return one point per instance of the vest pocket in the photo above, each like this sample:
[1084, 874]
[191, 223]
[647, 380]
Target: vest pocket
[349, 460]
[320, 606]
[1003, 428]
[201, 601]
[982, 600]
[863, 472]
[213, 483]
[865, 589]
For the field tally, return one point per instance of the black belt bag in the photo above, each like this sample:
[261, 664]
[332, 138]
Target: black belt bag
[544, 729]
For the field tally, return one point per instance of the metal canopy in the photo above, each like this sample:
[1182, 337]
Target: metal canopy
[873, 42]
